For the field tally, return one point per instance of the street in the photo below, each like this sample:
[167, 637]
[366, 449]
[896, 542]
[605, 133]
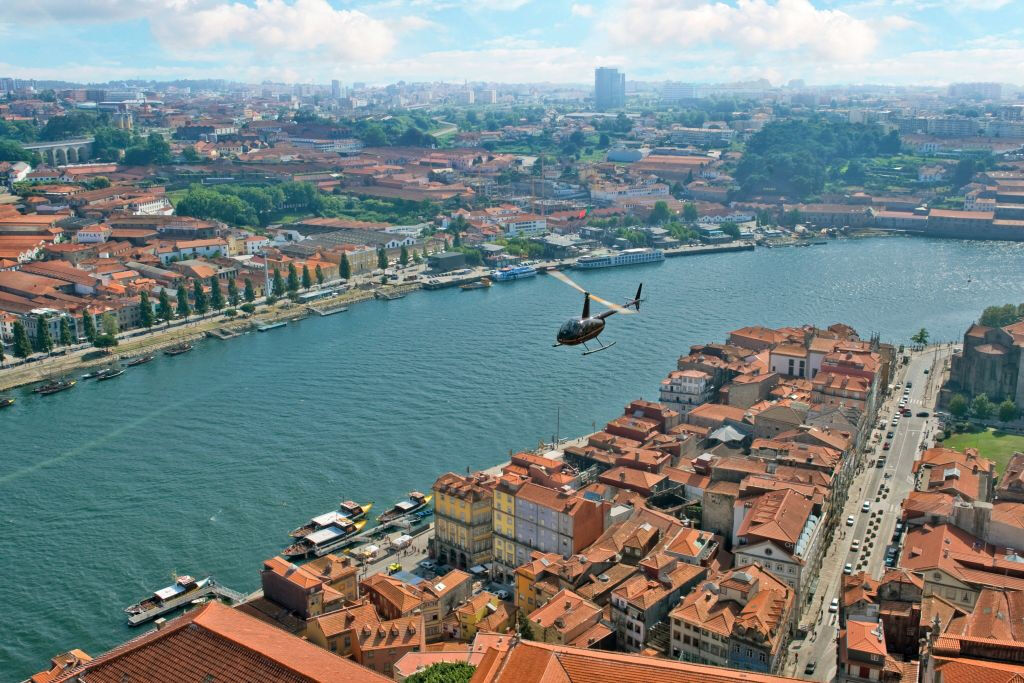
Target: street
[884, 488]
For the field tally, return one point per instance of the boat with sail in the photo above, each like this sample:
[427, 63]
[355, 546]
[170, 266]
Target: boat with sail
[54, 386]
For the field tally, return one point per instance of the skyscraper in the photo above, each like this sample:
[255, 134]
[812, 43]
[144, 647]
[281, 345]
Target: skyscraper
[336, 89]
[609, 88]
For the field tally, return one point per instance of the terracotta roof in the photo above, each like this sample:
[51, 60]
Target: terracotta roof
[224, 644]
[865, 636]
[778, 516]
[532, 662]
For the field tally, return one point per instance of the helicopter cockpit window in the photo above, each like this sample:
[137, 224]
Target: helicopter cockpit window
[570, 329]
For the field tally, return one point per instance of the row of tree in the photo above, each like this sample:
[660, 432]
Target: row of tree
[247, 204]
[1001, 316]
[982, 408]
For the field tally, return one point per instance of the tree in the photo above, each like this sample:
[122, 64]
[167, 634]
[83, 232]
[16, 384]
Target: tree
[690, 212]
[1008, 411]
[958, 406]
[523, 626]
[216, 297]
[22, 346]
[604, 141]
[199, 300]
[108, 323]
[105, 341]
[382, 258]
[319, 273]
[190, 154]
[44, 342]
[12, 151]
[457, 241]
[233, 293]
[145, 310]
[307, 280]
[1001, 316]
[344, 269]
[2, 357]
[963, 172]
[730, 229]
[921, 338]
[982, 407]
[250, 293]
[277, 283]
[403, 256]
[163, 307]
[183, 308]
[98, 183]
[293, 278]
[444, 672]
[66, 337]
[89, 326]
[659, 214]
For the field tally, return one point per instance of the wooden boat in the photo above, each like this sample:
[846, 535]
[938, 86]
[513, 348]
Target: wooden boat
[139, 361]
[54, 387]
[414, 502]
[182, 592]
[6, 402]
[323, 541]
[348, 510]
[178, 349]
[110, 374]
[483, 283]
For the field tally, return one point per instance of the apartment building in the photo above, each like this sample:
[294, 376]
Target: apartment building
[463, 523]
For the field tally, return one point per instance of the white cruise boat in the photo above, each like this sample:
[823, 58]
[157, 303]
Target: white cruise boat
[626, 257]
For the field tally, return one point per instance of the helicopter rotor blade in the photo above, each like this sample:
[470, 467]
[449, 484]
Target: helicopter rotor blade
[559, 275]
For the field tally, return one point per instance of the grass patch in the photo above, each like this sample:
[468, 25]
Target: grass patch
[175, 196]
[994, 445]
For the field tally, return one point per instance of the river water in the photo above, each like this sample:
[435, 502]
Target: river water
[200, 464]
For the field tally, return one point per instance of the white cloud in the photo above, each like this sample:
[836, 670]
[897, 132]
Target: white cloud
[581, 10]
[761, 25]
[302, 25]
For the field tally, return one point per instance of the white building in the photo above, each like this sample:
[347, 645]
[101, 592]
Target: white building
[684, 390]
[524, 225]
[341, 145]
[614, 193]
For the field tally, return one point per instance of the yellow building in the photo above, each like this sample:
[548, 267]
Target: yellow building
[482, 608]
[462, 519]
[504, 520]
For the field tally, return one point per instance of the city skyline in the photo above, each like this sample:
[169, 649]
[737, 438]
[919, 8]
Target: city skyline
[922, 42]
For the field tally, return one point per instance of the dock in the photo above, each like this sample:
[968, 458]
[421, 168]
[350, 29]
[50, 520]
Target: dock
[329, 310]
[709, 249]
[388, 296]
[221, 333]
[270, 326]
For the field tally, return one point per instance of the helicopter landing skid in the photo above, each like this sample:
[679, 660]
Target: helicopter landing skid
[603, 347]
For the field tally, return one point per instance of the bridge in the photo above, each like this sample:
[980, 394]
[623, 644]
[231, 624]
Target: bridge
[63, 152]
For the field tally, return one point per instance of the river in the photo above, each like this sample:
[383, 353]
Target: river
[200, 464]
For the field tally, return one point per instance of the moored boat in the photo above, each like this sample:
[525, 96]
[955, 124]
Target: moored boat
[6, 402]
[93, 374]
[55, 386]
[509, 273]
[182, 592]
[347, 511]
[178, 349]
[110, 374]
[483, 283]
[139, 361]
[325, 540]
[626, 257]
[414, 502]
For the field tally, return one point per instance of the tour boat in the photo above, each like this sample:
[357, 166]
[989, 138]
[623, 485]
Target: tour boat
[347, 511]
[182, 592]
[509, 273]
[414, 502]
[55, 386]
[483, 283]
[325, 540]
[626, 257]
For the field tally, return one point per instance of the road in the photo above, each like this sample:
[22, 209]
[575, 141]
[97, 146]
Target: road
[884, 488]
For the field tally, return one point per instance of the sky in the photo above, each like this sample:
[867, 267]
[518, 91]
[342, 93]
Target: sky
[900, 42]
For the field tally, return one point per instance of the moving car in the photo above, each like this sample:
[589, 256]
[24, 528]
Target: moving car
[811, 666]
[910, 384]
[889, 434]
[923, 413]
[855, 546]
[848, 569]
[866, 507]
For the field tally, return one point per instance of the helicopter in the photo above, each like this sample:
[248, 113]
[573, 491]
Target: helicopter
[588, 327]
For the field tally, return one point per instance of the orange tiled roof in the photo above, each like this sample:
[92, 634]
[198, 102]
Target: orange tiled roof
[223, 643]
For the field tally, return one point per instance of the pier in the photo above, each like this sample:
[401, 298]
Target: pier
[221, 333]
[212, 588]
[328, 310]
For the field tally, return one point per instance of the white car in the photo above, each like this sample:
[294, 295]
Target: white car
[866, 507]
[849, 521]
[848, 569]
[427, 564]
[503, 594]
[833, 606]
[855, 546]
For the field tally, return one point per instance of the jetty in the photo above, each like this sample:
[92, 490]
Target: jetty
[328, 310]
[270, 326]
[388, 296]
[221, 333]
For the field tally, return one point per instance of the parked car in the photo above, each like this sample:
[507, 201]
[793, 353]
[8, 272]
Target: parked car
[923, 413]
[889, 434]
[503, 594]
[848, 569]
[849, 521]
[811, 666]
[427, 564]
[833, 606]
[885, 446]
[866, 507]
[855, 546]
[910, 384]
